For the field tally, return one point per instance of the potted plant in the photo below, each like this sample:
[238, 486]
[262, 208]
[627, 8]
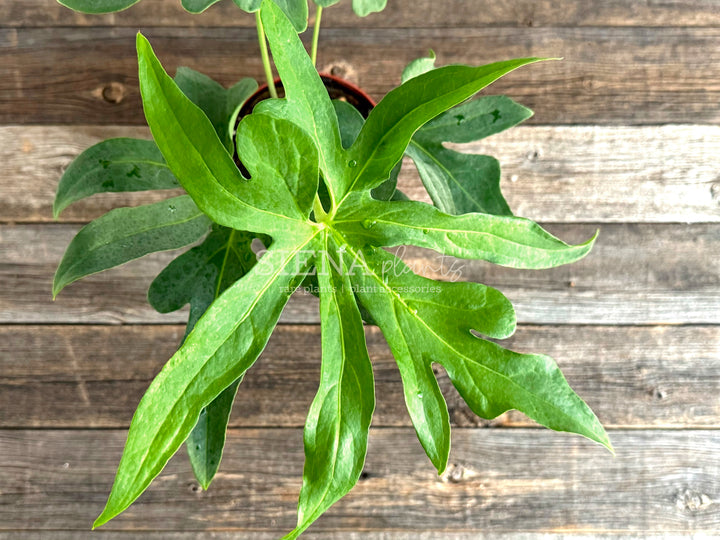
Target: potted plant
[315, 181]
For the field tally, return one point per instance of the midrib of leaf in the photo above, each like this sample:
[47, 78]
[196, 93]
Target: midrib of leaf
[441, 166]
[450, 347]
[339, 392]
[202, 157]
[247, 313]
[135, 233]
[452, 231]
[224, 263]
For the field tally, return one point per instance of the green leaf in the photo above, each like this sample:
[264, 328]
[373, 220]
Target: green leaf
[336, 431]
[114, 165]
[378, 276]
[218, 104]
[504, 240]
[250, 6]
[206, 441]
[295, 10]
[198, 276]
[363, 8]
[351, 122]
[125, 234]
[306, 101]
[225, 343]
[475, 120]
[459, 183]
[203, 166]
[390, 126]
[98, 6]
[286, 146]
[462, 183]
[490, 379]
[418, 67]
[197, 6]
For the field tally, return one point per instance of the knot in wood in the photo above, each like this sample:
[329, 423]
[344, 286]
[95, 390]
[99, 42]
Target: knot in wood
[692, 501]
[456, 474]
[715, 191]
[114, 92]
[342, 69]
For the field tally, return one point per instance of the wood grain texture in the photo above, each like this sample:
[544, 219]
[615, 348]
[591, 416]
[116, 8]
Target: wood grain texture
[344, 535]
[610, 75]
[498, 481]
[636, 274]
[94, 376]
[553, 174]
[398, 14]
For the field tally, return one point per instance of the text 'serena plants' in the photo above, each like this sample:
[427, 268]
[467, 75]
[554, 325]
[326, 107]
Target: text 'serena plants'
[315, 183]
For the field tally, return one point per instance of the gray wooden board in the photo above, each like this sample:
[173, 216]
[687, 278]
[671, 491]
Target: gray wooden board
[636, 274]
[609, 76]
[523, 480]
[345, 535]
[94, 376]
[399, 13]
[558, 173]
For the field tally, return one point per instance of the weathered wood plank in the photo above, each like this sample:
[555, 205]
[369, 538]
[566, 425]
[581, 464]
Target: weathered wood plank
[610, 75]
[398, 14]
[554, 174]
[345, 535]
[637, 274]
[498, 481]
[94, 376]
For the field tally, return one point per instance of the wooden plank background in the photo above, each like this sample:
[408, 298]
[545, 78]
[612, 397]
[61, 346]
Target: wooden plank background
[625, 139]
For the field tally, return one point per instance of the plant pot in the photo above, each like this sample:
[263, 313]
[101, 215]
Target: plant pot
[336, 87]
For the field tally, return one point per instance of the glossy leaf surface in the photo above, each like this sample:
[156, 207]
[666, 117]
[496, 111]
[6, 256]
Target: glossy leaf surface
[125, 234]
[287, 146]
[490, 379]
[197, 6]
[336, 431]
[508, 241]
[219, 104]
[114, 165]
[203, 166]
[225, 342]
[97, 6]
[460, 183]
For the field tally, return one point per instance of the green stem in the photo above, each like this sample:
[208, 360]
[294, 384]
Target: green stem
[320, 214]
[265, 55]
[316, 34]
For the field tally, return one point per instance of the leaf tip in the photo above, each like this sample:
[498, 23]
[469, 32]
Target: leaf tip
[102, 519]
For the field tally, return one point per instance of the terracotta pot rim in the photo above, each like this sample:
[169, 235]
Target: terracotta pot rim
[347, 87]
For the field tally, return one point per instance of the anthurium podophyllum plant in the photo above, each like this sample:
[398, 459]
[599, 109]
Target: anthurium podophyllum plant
[319, 191]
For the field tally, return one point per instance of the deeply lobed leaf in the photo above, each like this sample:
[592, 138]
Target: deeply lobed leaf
[490, 379]
[198, 159]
